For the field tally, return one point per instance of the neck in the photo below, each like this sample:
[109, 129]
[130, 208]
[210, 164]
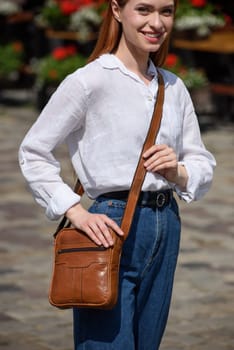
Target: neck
[137, 62]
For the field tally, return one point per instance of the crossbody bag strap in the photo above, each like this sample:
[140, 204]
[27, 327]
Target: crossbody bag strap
[140, 172]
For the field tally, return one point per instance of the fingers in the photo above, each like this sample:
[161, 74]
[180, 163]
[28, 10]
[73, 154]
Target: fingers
[96, 226]
[91, 233]
[160, 157]
[98, 229]
[152, 150]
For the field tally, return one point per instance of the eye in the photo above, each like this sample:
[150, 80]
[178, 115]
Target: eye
[143, 10]
[168, 11]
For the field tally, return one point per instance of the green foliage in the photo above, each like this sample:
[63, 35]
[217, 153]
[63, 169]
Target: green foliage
[192, 77]
[52, 71]
[186, 8]
[53, 17]
[198, 15]
[11, 58]
[72, 14]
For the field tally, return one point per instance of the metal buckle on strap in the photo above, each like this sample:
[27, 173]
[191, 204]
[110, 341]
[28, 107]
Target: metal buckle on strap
[161, 199]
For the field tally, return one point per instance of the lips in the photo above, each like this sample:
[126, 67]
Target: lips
[152, 38]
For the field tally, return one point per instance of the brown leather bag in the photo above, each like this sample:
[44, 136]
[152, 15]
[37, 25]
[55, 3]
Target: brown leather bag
[86, 275]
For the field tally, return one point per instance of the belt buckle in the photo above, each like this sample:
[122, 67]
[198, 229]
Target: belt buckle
[160, 199]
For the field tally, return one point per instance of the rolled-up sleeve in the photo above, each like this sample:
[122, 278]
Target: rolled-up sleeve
[63, 114]
[194, 156]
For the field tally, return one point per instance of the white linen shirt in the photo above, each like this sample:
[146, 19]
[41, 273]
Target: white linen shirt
[102, 111]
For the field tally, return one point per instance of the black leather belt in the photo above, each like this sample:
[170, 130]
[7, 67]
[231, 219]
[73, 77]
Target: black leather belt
[156, 199]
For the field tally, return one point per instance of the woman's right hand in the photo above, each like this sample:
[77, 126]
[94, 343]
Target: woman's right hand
[96, 226]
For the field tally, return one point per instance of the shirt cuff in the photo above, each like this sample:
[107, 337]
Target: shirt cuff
[186, 195]
[63, 199]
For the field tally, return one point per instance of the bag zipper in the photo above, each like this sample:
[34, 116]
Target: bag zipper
[84, 249]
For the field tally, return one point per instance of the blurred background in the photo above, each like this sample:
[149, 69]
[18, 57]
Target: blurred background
[40, 43]
[43, 41]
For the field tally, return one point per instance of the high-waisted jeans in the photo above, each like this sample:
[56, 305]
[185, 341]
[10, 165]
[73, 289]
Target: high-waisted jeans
[147, 269]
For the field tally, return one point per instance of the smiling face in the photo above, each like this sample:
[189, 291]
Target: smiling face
[145, 24]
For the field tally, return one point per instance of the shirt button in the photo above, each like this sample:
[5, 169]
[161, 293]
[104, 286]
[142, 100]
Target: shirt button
[150, 98]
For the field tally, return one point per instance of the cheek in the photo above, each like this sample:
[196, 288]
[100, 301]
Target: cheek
[132, 20]
[168, 23]
[130, 30]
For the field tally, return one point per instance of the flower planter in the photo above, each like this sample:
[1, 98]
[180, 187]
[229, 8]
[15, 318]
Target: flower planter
[67, 35]
[58, 37]
[190, 34]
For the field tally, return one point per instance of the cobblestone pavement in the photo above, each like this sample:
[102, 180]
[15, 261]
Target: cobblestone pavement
[202, 312]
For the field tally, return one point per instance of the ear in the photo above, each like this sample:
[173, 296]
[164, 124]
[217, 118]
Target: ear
[116, 10]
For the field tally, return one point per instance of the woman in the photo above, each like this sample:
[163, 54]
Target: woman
[103, 111]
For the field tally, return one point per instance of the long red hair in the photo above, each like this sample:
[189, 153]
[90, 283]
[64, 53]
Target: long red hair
[110, 34]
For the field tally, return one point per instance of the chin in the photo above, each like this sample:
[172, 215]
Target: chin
[153, 50]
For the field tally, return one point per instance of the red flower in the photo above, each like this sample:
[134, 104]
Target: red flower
[198, 3]
[59, 53]
[171, 60]
[71, 50]
[68, 7]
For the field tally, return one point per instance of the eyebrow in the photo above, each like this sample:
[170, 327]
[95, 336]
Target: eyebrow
[170, 4]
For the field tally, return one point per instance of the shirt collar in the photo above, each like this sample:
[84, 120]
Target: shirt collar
[110, 61]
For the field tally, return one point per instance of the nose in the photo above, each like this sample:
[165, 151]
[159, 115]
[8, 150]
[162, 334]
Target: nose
[155, 21]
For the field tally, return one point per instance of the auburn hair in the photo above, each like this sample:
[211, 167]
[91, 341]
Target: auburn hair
[110, 34]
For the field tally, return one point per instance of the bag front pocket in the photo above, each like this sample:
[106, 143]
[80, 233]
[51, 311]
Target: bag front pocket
[85, 274]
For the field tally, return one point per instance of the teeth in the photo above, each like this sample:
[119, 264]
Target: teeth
[152, 35]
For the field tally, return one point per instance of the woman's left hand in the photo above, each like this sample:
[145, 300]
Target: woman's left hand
[163, 160]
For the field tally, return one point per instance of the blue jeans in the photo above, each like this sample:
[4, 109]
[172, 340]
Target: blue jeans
[147, 269]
